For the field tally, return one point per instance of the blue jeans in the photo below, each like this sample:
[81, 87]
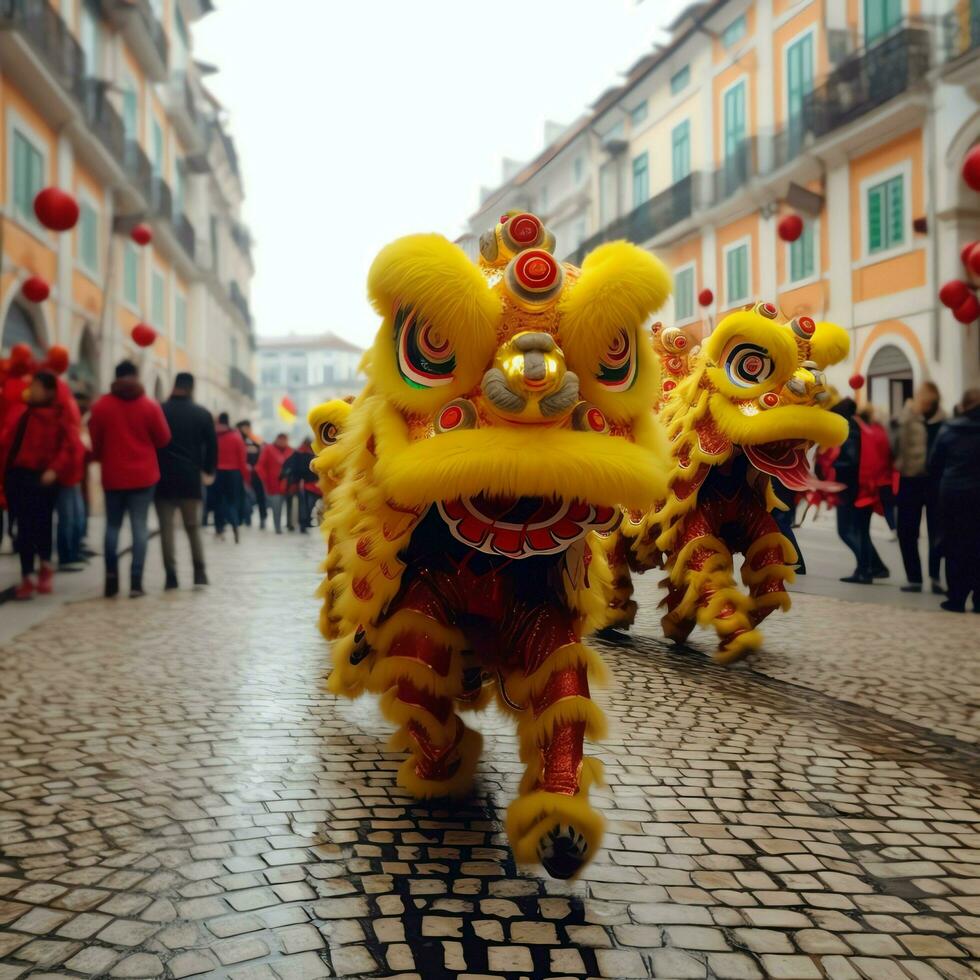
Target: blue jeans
[71, 524]
[229, 488]
[118, 503]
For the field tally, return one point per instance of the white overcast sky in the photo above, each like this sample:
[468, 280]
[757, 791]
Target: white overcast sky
[358, 121]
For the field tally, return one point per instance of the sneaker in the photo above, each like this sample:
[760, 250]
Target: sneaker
[111, 585]
[857, 579]
[171, 582]
[912, 587]
[26, 589]
[45, 580]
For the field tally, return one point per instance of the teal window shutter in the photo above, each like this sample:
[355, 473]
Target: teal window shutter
[641, 179]
[131, 277]
[886, 214]
[684, 294]
[88, 237]
[680, 140]
[876, 240]
[802, 255]
[896, 212]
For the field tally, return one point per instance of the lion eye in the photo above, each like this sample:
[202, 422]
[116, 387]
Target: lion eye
[617, 369]
[747, 365]
[426, 358]
[328, 433]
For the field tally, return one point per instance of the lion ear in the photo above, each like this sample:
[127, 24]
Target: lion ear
[620, 286]
[436, 279]
[829, 344]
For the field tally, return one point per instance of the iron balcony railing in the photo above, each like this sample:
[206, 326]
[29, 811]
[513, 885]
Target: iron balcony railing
[185, 235]
[101, 117]
[738, 167]
[239, 301]
[50, 37]
[240, 381]
[138, 169]
[161, 199]
[154, 28]
[659, 213]
[961, 29]
[867, 81]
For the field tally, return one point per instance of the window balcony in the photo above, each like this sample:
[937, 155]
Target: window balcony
[238, 380]
[143, 33]
[738, 168]
[138, 169]
[239, 301]
[101, 118]
[867, 81]
[651, 218]
[48, 59]
[184, 114]
[186, 235]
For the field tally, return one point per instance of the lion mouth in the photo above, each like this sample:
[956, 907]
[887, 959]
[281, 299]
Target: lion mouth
[786, 461]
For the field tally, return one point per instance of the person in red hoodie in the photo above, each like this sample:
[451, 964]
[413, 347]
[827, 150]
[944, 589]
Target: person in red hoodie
[127, 429]
[232, 477]
[271, 460]
[39, 447]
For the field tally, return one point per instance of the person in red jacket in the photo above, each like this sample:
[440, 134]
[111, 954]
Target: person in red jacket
[269, 469]
[232, 477]
[127, 429]
[39, 446]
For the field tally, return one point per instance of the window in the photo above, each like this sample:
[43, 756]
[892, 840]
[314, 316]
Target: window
[157, 149]
[578, 170]
[802, 257]
[799, 80]
[639, 113]
[131, 110]
[684, 293]
[178, 188]
[28, 176]
[608, 193]
[297, 375]
[179, 42]
[131, 275]
[737, 274]
[271, 375]
[880, 17]
[89, 40]
[886, 214]
[680, 150]
[233, 351]
[543, 201]
[641, 179]
[680, 80]
[88, 238]
[734, 32]
[180, 320]
[158, 312]
[734, 110]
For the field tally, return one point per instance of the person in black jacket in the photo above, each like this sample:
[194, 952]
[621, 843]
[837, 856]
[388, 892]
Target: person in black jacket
[301, 484]
[954, 463]
[186, 464]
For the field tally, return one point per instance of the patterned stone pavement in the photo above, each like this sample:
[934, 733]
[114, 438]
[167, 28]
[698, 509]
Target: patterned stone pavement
[179, 798]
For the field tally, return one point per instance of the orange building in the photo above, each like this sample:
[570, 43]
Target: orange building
[853, 114]
[104, 100]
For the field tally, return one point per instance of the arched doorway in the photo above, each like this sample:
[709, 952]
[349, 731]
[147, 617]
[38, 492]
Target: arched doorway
[83, 374]
[890, 379]
[20, 327]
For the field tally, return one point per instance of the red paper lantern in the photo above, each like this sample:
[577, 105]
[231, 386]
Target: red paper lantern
[57, 359]
[143, 335]
[56, 209]
[856, 381]
[953, 293]
[965, 252]
[706, 297]
[973, 259]
[971, 168]
[790, 227]
[20, 354]
[141, 234]
[968, 310]
[35, 289]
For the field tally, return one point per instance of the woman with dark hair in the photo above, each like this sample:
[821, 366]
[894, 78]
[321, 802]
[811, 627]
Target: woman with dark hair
[39, 446]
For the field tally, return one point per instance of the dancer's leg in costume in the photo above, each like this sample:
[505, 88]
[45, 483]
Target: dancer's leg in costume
[769, 561]
[419, 673]
[551, 820]
[702, 589]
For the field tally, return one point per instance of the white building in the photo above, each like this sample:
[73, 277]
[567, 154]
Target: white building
[307, 369]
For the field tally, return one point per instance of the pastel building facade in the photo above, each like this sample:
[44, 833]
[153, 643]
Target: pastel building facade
[854, 114]
[104, 99]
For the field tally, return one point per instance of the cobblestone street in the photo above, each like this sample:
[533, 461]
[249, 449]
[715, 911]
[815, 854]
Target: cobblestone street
[178, 797]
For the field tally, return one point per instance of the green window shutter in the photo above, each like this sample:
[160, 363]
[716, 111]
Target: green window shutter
[802, 256]
[876, 239]
[684, 294]
[799, 75]
[131, 279]
[180, 320]
[641, 179]
[680, 139]
[734, 119]
[896, 211]
[679, 80]
[88, 237]
[157, 306]
[28, 175]
[737, 269]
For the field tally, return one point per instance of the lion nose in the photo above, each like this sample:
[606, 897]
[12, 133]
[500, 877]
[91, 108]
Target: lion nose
[534, 347]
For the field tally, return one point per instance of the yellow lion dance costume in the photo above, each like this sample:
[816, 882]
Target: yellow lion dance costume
[741, 410]
[506, 417]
